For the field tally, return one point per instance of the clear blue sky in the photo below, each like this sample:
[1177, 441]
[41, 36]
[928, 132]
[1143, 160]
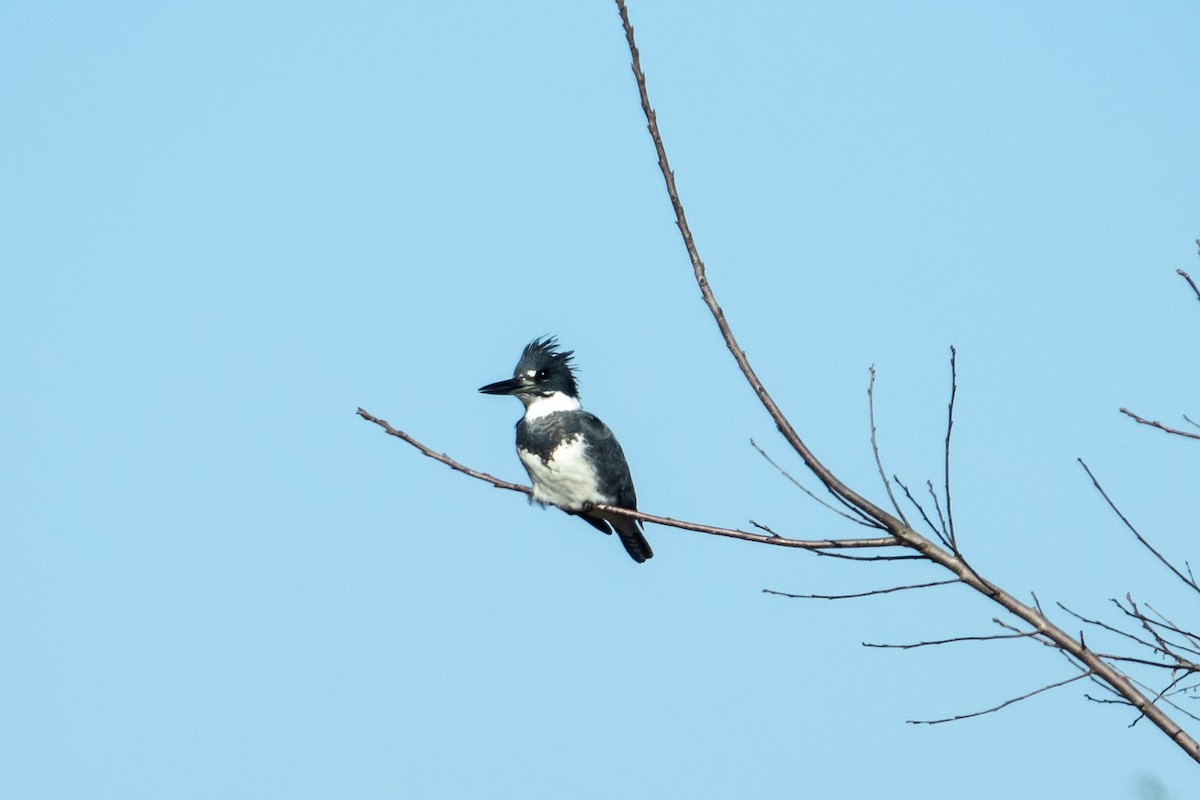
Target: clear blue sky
[225, 226]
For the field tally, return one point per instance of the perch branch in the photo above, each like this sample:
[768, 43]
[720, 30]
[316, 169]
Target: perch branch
[733, 533]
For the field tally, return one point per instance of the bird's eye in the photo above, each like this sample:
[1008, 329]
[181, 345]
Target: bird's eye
[542, 375]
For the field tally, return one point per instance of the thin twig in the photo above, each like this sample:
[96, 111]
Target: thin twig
[1185, 666]
[1189, 581]
[952, 640]
[921, 509]
[858, 516]
[887, 485]
[1005, 704]
[949, 429]
[945, 535]
[848, 557]
[1171, 626]
[1188, 278]
[1151, 626]
[1159, 425]
[871, 593]
[765, 529]
[1107, 627]
[442, 457]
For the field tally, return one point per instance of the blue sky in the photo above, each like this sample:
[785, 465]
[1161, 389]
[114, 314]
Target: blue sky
[226, 226]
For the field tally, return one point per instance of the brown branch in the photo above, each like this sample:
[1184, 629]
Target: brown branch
[1159, 425]
[733, 533]
[871, 593]
[1005, 704]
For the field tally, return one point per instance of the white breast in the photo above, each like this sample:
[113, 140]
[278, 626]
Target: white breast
[567, 480]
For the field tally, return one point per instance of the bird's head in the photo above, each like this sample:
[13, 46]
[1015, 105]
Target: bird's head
[543, 371]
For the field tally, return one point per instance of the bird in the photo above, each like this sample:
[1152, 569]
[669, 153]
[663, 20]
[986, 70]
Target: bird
[572, 458]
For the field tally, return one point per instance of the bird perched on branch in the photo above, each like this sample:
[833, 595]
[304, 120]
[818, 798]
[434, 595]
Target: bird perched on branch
[571, 456]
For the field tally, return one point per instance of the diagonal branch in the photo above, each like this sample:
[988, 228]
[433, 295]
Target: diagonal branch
[1190, 581]
[859, 518]
[903, 533]
[823, 474]
[442, 457]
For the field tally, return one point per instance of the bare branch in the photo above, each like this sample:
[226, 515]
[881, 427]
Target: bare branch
[1107, 627]
[858, 518]
[848, 557]
[1151, 626]
[442, 457]
[733, 533]
[1186, 667]
[904, 534]
[1187, 580]
[818, 469]
[945, 535]
[1159, 425]
[871, 593]
[919, 508]
[887, 485]
[765, 528]
[988, 638]
[1171, 626]
[1005, 704]
[1150, 690]
[949, 428]
[1188, 278]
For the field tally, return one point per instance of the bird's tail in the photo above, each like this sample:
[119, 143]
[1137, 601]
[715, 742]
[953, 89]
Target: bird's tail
[630, 532]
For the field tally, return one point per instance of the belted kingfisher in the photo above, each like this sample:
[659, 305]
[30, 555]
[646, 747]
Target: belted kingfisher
[571, 456]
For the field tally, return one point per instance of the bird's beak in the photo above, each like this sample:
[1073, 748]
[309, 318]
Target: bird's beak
[510, 386]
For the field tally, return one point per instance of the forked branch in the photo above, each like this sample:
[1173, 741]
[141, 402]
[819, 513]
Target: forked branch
[1088, 661]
